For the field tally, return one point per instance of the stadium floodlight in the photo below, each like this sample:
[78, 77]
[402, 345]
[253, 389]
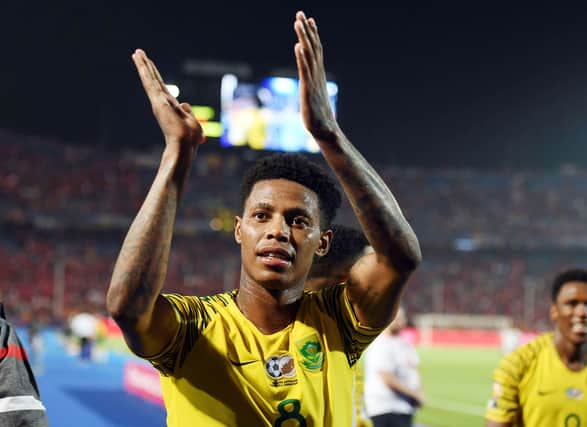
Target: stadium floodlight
[212, 129]
[332, 88]
[203, 112]
[173, 90]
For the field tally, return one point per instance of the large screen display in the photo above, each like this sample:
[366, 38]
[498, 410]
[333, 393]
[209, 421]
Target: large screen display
[266, 115]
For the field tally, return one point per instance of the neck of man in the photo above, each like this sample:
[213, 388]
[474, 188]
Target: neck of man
[270, 310]
[573, 355]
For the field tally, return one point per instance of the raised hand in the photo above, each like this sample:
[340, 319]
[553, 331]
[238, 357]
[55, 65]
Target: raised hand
[317, 113]
[177, 121]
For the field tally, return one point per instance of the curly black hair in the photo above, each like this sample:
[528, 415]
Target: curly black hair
[572, 275]
[346, 247]
[298, 168]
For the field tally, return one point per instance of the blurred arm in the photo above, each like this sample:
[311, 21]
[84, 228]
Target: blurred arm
[392, 382]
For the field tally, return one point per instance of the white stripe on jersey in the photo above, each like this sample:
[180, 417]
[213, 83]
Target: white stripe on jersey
[20, 403]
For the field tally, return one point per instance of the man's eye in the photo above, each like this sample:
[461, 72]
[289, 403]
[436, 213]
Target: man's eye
[300, 221]
[260, 215]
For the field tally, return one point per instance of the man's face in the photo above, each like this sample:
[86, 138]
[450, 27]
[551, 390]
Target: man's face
[569, 312]
[279, 233]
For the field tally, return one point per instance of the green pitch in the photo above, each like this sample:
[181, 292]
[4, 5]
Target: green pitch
[457, 385]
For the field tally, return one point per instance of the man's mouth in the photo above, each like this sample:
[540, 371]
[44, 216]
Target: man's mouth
[275, 256]
[579, 327]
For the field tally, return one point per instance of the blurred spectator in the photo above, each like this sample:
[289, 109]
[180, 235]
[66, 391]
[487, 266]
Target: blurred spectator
[36, 345]
[490, 237]
[393, 389]
[20, 403]
[84, 326]
[451, 207]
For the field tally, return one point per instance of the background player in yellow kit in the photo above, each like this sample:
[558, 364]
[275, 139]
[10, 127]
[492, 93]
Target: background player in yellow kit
[268, 353]
[347, 246]
[544, 383]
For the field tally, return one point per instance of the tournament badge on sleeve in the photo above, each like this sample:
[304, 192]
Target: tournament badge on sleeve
[311, 352]
[497, 391]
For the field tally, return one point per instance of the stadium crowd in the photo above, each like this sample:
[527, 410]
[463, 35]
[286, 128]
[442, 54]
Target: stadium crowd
[492, 239]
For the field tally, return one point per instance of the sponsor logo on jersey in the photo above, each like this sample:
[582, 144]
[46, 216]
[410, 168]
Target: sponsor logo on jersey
[242, 363]
[311, 352]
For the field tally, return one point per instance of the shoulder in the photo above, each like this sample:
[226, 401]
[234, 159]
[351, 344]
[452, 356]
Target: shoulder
[222, 298]
[326, 300]
[331, 301]
[529, 352]
[517, 363]
[219, 300]
[200, 305]
[324, 293]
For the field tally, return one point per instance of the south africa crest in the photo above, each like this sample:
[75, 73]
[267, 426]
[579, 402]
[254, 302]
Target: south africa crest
[311, 351]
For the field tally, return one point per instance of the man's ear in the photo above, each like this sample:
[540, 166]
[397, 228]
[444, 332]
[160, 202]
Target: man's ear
[553, 312]
[237, 229]
[325, 239]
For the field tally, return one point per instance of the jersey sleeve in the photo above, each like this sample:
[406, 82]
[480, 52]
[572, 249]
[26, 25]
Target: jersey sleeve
[356, 337]
[192, 315]
[504, 405]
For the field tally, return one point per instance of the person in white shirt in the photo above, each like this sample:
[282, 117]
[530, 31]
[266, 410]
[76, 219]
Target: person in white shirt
[510, 339]
[393, 390]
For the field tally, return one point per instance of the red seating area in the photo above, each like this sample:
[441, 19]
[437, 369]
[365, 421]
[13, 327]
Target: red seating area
[492, 240]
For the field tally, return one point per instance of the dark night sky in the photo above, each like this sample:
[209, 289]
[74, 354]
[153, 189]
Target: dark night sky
[443, 85]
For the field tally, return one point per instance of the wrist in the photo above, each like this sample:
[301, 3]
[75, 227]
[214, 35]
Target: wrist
[178, 152]
[171, 154]
[176, 161]
[330, 134]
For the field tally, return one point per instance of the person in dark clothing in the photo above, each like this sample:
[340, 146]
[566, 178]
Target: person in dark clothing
[20, 403]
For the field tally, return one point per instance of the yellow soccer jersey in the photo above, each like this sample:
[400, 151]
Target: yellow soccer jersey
[220, 370]
[534, 388]
[360, 414]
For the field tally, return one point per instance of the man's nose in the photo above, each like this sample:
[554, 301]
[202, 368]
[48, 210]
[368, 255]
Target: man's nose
[279, 230]
[580, 309]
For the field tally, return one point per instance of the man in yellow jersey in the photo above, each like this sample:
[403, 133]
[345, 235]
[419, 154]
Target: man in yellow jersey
[544, 383]
[347, 246]
[269, 353]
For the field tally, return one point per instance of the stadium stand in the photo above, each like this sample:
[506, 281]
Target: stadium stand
[491, 238]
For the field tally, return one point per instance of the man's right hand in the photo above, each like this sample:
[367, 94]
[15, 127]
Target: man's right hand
[182, 132]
